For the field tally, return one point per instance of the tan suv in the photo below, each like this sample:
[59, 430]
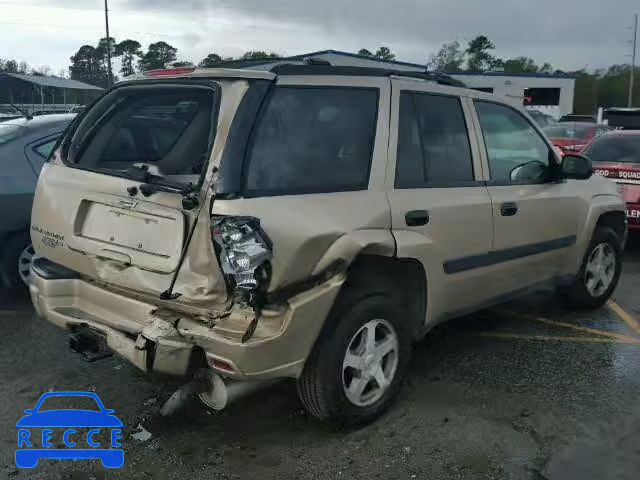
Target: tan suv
[308, 222]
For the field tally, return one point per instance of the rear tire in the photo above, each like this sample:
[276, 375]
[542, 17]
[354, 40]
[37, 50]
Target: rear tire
[599, 272]
[9, 262]
[333, 390]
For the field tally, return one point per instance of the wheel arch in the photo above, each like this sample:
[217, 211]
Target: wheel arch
[615, 220]
[404, 279]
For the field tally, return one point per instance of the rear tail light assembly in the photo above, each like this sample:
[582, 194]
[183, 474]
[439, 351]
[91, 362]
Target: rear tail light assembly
[244, 252]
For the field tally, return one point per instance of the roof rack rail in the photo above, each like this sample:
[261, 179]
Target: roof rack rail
[323, 67]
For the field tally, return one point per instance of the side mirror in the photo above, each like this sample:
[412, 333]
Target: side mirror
[576, 167]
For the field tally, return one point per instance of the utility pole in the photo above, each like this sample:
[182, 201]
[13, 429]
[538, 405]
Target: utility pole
[106, 22]
[633, 58]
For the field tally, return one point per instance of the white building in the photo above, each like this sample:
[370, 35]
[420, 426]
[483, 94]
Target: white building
[551, 94]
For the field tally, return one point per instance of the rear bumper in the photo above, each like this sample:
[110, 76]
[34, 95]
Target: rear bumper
[158, 342]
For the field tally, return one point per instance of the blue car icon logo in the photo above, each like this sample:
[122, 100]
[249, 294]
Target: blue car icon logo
[76, 428]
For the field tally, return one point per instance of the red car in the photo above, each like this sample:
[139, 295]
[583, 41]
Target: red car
[572, 137]
[616, 155]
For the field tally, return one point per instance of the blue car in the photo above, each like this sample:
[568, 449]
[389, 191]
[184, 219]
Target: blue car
[28, 452]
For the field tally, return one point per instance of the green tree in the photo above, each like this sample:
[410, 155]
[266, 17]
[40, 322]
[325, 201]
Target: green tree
[210, 60]
[258, 55]
[363, 52]
[450, 58]
[182, 64]
[520, 65]
[23, 67]
[478, 57]
[129, 51]
[101, 49]
[546, 68]
[11, 66]
[383, 53]
[87, 66]
[159, 55]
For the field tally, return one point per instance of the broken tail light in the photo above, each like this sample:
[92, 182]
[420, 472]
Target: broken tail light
[244, 252]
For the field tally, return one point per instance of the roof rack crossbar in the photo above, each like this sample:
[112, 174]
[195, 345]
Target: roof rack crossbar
[323, 67]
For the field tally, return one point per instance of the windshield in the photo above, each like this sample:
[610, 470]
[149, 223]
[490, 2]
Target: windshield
[615, 148]
[8, 133]
[569, 131]
[165, 132]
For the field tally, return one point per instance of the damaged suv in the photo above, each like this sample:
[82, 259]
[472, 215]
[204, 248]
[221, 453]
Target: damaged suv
[308, 222]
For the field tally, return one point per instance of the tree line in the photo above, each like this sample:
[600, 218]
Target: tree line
[603, 87]
[90, 63]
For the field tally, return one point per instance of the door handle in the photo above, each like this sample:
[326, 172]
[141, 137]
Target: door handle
[416, 218]
[508, 209]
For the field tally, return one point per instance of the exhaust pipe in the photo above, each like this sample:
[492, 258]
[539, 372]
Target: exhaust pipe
[212, 391]
[219, 394]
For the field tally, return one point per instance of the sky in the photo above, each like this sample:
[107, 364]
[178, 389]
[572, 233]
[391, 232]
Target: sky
[570, 34]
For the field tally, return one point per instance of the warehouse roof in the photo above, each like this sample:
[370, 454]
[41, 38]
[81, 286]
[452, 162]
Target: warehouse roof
[55, 82]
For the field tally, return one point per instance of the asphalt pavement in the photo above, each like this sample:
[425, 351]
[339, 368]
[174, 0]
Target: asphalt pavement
[529, 390]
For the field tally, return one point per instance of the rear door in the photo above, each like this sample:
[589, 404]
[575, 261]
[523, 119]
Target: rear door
[535, 217]
[440, 208]
[110, 203]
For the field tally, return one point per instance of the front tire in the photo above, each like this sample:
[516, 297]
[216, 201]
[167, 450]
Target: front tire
[599, 272]
[355, 370]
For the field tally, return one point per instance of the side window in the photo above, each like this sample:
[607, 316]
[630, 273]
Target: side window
[312, 140]
[44, 149]
[433, 143]
[515, 150]
[38, 152]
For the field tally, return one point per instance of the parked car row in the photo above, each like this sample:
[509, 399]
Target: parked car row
[572, 137]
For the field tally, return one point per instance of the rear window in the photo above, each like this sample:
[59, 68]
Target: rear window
[615, 148]
[311, 140]
[164, 131]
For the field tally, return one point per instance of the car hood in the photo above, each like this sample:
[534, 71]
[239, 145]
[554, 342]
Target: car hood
[69, 418]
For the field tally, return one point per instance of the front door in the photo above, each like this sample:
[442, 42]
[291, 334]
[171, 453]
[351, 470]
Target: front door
[535, 215]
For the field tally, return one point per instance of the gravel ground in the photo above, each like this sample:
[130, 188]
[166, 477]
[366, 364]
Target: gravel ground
[477, 405]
